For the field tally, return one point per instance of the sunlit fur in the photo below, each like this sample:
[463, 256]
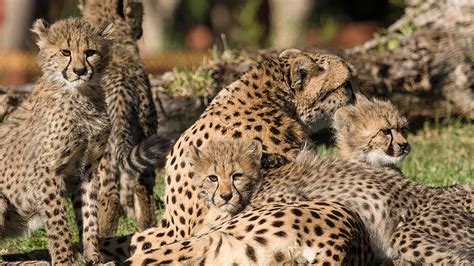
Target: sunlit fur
[322, 83]
[126, 15]
[133, 119]
[65, 47]
[372, 131]
[51, 144]
[265, 104]
[235, 166]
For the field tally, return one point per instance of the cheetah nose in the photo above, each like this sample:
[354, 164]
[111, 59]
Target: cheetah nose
[79, 71]
[226, 196]
[404, 146]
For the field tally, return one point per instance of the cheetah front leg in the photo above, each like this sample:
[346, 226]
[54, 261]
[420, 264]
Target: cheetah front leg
[90, 226]
[109, 201]
[3, 210]
[59, 237]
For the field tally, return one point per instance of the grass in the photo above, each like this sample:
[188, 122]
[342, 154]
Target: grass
[442, 154]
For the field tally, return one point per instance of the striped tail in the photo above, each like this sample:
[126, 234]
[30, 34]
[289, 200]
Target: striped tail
[146, 156]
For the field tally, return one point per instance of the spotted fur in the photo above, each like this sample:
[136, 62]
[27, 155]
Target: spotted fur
[53, 141]
[227, 173]
[133, 118]
[406, 220]
[386, 201]
[272, 103]
[282, 234]
[372, 131]
[322, 233]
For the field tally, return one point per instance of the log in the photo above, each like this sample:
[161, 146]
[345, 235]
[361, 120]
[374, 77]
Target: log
[424, 64]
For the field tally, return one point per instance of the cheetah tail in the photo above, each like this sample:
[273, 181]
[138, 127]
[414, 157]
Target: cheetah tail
[147, 155]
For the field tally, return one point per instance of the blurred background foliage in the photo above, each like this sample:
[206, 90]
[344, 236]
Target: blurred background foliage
[188, 29]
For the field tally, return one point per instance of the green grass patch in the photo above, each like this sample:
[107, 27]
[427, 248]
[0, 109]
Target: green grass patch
[441, 155]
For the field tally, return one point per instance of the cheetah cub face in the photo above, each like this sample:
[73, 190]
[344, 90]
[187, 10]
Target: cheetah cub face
[372, 131]
[76, 60]
[227, 174]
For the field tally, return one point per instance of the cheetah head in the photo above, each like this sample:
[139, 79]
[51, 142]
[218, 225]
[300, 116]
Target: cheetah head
[372, 131]
[321, 83]
[227, 172]
[72, 51]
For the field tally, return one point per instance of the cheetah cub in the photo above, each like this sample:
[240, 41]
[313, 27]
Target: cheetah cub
[51, 144]
[372, 131]
[133, 119]
[227, 175]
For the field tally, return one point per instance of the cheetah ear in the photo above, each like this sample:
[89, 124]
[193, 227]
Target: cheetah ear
[129, 5]
[340, 118]
[299, 69]
[343, 118]
[41, 28]
[255, 149]
[361, 98]
[81, 4]
[290, 53]
[194, 154]
[108, 31]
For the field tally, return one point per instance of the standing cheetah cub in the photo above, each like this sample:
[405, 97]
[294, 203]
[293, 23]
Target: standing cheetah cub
[132, 117]
[55, 139]
[372, 131]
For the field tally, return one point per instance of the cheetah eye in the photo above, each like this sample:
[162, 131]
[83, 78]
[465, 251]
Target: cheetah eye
[212, 178]
[90, 52]
[348, 85]
[386, 131]
[236, 176]
[66, 52]
[404, 131]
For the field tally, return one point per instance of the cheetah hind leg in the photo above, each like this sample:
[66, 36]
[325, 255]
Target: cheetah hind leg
[218, 248]
[190, 251]
[126, 195]
[144, 202]
[27, 263]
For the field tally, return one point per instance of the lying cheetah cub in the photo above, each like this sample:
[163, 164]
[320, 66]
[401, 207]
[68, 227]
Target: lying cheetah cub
[227, 176]
[55, 139]
[372, 131]
[227, 173]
